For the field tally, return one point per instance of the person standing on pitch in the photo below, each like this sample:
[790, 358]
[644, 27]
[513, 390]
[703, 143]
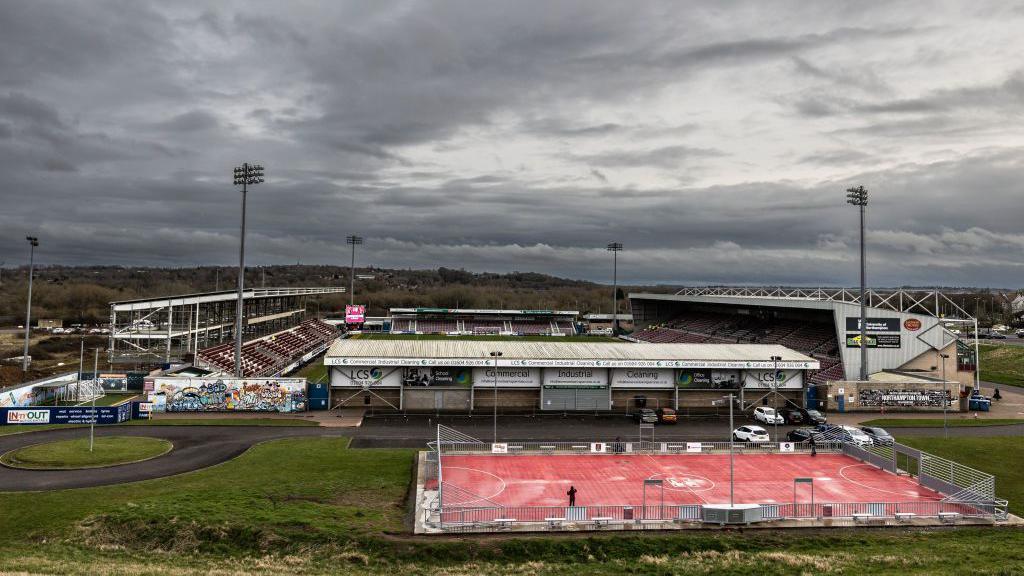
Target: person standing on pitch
[572, 495]
[814, 447]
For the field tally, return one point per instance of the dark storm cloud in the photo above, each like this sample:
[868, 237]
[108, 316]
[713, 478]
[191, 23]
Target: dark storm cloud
[519, 136]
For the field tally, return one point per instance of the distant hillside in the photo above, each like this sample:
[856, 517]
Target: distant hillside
[82, 294]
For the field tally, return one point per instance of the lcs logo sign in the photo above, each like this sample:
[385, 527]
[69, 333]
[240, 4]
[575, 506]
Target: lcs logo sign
[28, 416]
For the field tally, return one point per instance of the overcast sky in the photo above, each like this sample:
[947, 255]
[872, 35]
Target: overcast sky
[714, 140]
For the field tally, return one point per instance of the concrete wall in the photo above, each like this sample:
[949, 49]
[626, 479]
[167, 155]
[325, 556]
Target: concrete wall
[932, 365]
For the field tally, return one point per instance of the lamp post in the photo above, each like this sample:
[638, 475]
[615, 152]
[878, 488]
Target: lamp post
[615, 248]
[496, 354]
[858, 197]
[354, 241]
[775, 390]
[32, 243]
[731, 440]
[245, 175]
[945, 397]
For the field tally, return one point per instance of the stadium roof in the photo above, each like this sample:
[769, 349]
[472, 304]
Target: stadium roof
[456, 352]
[484, 311]
[221, 296]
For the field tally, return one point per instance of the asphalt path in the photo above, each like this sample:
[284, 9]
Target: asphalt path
[195, 447]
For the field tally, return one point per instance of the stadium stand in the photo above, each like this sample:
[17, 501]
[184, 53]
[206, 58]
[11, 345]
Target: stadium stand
[269, 355]
[813, 338]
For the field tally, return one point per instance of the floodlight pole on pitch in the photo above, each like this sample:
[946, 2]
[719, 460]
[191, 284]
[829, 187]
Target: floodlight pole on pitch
[245, 175]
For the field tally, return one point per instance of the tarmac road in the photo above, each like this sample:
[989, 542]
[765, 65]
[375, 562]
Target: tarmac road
[195, 447]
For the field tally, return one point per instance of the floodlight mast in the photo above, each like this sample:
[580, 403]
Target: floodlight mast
[615, 248]
[354, 241]
[245, 176]
[858, 196]
[32, 243]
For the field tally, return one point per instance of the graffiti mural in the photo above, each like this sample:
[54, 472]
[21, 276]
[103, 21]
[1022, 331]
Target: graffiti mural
[227, 394]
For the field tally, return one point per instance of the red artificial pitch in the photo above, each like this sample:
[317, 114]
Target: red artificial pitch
[543, 480]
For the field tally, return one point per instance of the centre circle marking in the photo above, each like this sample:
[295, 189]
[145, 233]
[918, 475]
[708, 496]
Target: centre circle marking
[686, 482]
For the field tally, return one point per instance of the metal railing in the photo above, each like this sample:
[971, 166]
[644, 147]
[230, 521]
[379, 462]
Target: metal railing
[631, 447]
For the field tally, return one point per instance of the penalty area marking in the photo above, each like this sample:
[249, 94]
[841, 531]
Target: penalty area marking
[842, 473]
[482, 498]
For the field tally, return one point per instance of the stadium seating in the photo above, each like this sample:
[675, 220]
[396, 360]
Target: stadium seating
[268, 356]
[813, 338]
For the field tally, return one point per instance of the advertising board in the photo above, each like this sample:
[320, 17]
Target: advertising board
[437, 376]
[355, 314]
[369, 376]
[66, 415]
[874, 341]
[507, 377]
[873, 324]
[642, 378]
[708, 379]
[773, 379]
[575, 378]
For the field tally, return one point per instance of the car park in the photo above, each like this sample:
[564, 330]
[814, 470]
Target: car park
[645, 416]
[667, 416]
[793, 415]
[879, 436]
[801, 434]
[767, 415]
[750, 433]
[814, 417]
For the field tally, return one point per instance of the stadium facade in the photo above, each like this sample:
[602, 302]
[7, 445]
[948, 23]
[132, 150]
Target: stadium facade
[464, 375]
[909, 336]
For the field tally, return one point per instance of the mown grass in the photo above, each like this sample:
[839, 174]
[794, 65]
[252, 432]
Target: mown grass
[315, 371]
[955, 422]
[312, 506]
[22, 428]
[75, 453]
[1002, 364]
[1000, 456]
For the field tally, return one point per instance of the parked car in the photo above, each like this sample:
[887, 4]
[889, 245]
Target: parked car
[857, 436]
[1020, 333]
[878, 435]
[800, 434]
[667, 416]
[792, 415]
[814, 417]
[750, 433]
[767, 415]
[997, 336]
[645, 416]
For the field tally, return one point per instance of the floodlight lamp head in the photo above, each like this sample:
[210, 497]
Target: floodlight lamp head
[614, 246]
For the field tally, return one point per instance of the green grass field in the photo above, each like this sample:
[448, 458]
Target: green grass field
[955, 422]
[312, 506]
[1002, 364]
[75, 454]
[315, 371]
[998, 455]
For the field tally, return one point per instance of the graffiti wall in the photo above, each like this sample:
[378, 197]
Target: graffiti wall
[228, 394]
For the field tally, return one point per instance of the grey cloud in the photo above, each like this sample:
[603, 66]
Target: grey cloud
[515, 135]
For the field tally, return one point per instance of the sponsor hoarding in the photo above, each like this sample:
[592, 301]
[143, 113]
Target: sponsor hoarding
[708, 379]
[355, 314]
[642, 378]
[507, 377]
[874, 341]
[438, 376]
[773, 379]
[873, 324]
[369, 376]
[904, 398]
[575, 378]
[66, 415]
